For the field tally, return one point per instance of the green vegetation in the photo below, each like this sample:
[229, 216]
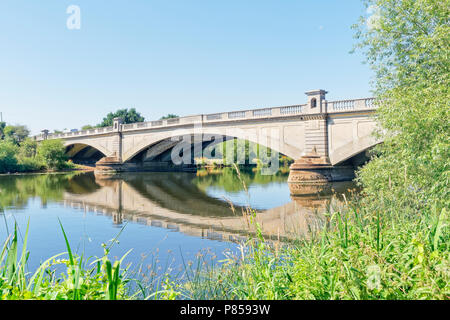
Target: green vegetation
[227, 178]
[407, 44]
[247, 153]
[360, 254]
[15, 134]
[18, 153]
[127, 115]
[82, 280]
[52, 153]
[169, 116]
[87, 127]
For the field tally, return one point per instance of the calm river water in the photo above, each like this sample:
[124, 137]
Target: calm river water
[167, 218]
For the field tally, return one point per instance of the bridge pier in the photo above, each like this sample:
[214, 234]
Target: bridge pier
[109, 165]
[312, 173]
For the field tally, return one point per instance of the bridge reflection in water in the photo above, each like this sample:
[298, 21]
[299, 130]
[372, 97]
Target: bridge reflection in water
[174, 201]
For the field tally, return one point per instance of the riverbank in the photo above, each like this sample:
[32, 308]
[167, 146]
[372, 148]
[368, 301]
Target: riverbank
[61, 171]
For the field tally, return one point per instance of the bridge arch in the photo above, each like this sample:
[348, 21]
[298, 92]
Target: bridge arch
[267, 139]
[352, 148]
[85, 152]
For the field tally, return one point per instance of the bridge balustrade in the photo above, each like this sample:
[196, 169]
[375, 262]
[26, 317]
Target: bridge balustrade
[236, 114]
[156, 123]
[351, 105]
[291, 109]
[343, 105]
[216, 116]
[262, 112]
[173, 120]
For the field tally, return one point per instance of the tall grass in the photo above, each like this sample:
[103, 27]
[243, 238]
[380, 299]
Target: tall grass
[97, 280]
[364, 251]
[361, 253]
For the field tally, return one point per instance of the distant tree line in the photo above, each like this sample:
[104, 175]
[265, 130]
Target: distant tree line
[127, 115]
[20, 153]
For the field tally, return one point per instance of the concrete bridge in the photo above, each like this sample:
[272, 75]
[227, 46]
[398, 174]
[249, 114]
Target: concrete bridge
[331, 133]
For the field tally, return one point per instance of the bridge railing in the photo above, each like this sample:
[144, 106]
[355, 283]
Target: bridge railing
[275, 112]
[219, 117]
[88, 132]
[351, 105]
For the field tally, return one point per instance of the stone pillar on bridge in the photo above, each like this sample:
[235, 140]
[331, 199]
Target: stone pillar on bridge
[113, 163]
[314, 170]
[316, 135]
[117, 143]
[44, 134]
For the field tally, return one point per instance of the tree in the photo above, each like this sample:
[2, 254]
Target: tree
[52, 153]
[169, 116]
[28, 148]
[2, 128]
[8, 160]
[407, 45]
[87, 127]
[128, 116]
[16, 133]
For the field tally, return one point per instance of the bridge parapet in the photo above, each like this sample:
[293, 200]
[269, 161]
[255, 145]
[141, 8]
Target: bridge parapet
[89, 132]
[351, 105]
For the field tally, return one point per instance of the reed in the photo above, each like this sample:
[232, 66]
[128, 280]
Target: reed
[81, 280]
[360, 255]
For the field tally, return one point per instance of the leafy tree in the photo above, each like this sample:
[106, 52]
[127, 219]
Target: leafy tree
[8, 160]
[28, 148]
[52, 153]
[87, 127]
[407, 43]
[128, 116]
[2, 128]
[16, 133]
[169, 116]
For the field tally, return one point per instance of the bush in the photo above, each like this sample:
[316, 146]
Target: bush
[359, 255]
[407, 45]
[30, 164]
[52, 154]
[28, 148]
[8, 160]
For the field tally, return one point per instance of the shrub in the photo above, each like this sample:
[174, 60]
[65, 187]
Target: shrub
[30, 164]
[8, 160]
[406, 43]
[52, 154]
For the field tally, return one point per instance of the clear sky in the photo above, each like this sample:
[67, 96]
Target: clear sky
[172, 56]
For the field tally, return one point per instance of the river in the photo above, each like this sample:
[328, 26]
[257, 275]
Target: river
[168, 219]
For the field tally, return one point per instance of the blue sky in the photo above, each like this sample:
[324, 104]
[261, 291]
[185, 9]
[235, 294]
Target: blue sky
[172, 56]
